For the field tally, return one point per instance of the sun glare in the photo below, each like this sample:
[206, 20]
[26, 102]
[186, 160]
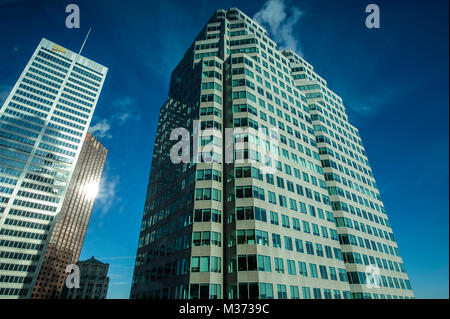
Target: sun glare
[91, 190]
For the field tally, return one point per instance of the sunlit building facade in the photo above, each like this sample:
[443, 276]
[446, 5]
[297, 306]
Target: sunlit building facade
[286, 208]
[68, 235]
[43, 123]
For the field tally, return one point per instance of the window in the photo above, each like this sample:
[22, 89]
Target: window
[313, 270]
[285, 221]
[262, 237]
[208, 194]
[291, 267]
[295, 224]
[306, 293]
[323, 272]
[195, 264]
[265, 290]
[276, 240]
[294, 292]
[319, 250]
[274, 218]
[281, 291]
[215, 264]
[309, 248]
[317, 293]
[214, 291]
[204, 264]
[208, 214]
[264, 263]
[299, 245]
[282, 199]
[279, 265]
[272, 197]
[302, 269]
[292, 204]
[337, 294]
[288, 243]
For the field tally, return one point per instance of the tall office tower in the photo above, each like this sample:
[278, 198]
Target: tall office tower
[43, 123]
[365, 234]
[94, 281]
[68, 235]
[272, 211]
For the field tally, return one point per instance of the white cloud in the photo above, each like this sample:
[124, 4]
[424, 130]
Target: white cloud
[125, 109]
[280, 19]
[107, 193]
[122, 118]
[124, 102]
[101, 129]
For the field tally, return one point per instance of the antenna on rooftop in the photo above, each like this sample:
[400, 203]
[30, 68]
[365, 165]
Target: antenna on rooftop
[82, 46]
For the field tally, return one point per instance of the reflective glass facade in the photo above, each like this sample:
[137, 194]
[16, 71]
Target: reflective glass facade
[71, 223]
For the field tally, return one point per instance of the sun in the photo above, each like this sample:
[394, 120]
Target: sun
[90, 189]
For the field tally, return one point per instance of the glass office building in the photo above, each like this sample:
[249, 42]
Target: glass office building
[43, 123]
[284, 206]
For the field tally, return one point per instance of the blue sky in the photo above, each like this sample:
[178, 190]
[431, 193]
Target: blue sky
[393, 80]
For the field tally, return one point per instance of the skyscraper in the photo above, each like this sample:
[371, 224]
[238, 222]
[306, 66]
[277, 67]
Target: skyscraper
[286, 208]
[68, 235]
[43, 123]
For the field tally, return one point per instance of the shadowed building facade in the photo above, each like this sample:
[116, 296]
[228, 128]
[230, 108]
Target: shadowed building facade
[296, 212]
[71, 224]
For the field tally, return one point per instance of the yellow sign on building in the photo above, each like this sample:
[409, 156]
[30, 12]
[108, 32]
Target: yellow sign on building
[58, 48]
